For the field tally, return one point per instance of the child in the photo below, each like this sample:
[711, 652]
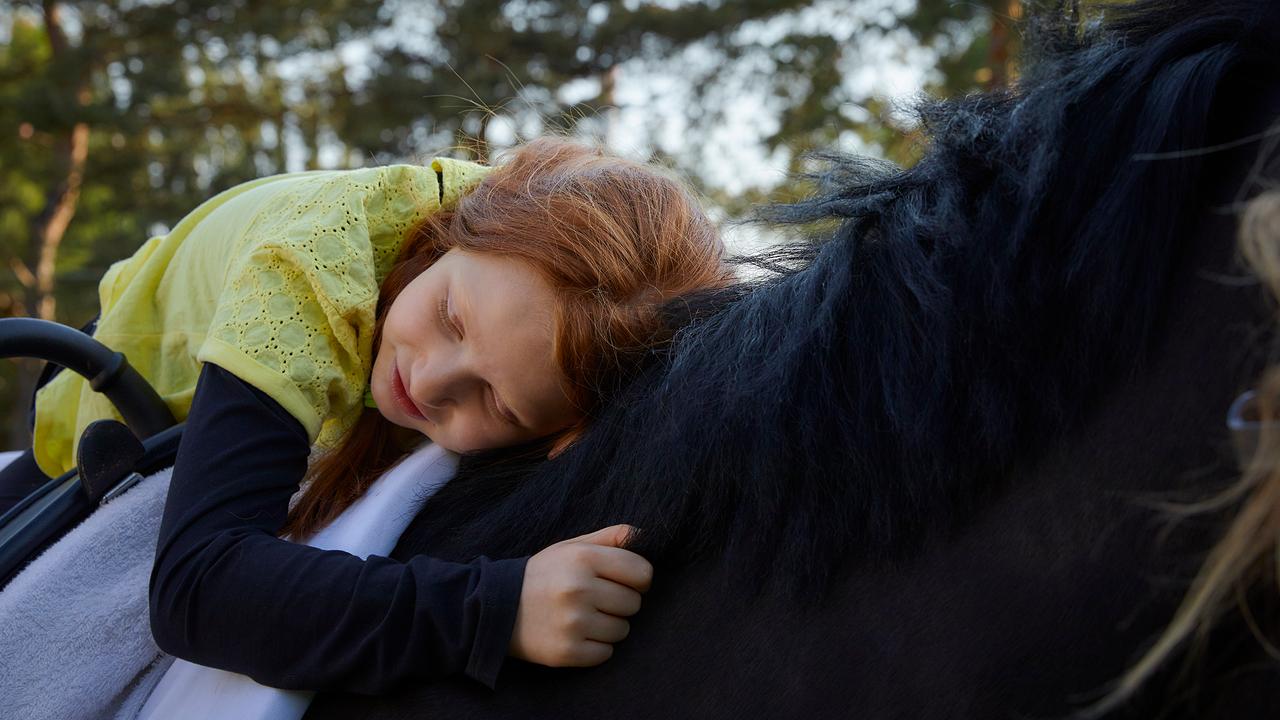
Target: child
[483, 309]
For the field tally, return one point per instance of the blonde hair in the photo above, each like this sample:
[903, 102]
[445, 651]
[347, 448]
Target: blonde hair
[1249, 551]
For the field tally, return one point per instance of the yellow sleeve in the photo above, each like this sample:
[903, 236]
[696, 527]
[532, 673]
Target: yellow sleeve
[295, 317]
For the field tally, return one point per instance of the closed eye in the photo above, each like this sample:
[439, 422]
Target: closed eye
[442, 311]
[502, 411]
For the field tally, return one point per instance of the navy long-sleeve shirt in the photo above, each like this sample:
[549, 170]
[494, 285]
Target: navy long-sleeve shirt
[226, 592]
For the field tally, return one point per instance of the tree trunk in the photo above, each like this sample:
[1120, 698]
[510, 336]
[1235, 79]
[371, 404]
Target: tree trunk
[37, 273]
[48, 228]
[1000, 51]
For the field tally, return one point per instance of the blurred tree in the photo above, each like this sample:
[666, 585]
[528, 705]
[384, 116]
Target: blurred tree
[536, 65]
[978, 44]
[125, 115]
[514, 60]
[810, 64]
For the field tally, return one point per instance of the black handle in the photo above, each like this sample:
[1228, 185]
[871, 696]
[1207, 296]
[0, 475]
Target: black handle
[108, 371]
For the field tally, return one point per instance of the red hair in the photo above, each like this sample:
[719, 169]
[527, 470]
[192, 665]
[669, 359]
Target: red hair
[615, 239]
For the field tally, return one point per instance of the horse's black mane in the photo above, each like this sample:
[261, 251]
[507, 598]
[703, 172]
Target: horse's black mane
[966, 313]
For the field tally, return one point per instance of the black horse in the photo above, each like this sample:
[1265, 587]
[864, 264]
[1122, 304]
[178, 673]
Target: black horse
[917, 476]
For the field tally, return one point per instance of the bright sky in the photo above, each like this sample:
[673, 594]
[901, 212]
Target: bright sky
[651, 95]
[734, 157]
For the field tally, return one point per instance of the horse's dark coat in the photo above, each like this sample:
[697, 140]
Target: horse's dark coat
[906, 480]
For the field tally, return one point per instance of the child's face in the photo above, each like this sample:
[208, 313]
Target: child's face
[466, 356]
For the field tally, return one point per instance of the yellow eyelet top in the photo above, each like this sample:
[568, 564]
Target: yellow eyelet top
[275, 280]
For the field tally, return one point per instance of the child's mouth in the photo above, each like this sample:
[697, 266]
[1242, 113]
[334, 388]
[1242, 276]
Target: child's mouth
[401, 395]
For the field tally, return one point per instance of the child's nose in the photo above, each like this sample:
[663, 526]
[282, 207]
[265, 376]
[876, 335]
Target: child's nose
[437, 383]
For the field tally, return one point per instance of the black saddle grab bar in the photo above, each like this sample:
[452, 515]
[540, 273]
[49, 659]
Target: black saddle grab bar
[107, 371]
[108, 459]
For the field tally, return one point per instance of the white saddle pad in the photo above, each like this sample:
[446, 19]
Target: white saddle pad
[75, 638]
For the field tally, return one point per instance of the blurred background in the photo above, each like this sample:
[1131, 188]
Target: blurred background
[117, 117]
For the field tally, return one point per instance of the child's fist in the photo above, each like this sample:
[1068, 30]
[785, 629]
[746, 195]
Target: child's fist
[575, 597]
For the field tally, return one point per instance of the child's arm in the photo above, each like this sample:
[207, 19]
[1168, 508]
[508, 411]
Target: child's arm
[226, 592]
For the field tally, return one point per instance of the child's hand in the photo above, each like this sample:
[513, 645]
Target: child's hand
[575, 596]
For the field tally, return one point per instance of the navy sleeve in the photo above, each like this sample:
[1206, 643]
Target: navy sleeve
[227, 593]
